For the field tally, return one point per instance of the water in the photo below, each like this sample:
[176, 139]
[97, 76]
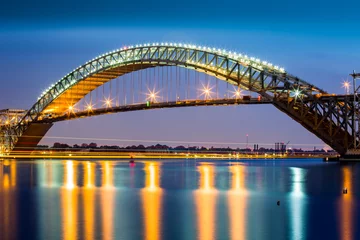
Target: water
[179, 199]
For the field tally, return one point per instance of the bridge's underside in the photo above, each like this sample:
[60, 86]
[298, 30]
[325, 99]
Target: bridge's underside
[76, 92]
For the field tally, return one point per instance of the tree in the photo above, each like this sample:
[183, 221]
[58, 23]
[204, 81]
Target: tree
[92, 145]
[84, 145]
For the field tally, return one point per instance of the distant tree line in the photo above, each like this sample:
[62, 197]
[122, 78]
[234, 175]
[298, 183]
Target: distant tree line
[164, 148]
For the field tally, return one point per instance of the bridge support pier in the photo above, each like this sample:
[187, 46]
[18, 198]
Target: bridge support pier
[351, 155]
[29, 139]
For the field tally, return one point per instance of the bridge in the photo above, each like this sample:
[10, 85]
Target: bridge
[170, 75]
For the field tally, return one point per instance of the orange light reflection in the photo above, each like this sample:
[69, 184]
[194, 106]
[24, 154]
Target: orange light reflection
[151, 196]
[89, 197]
[346, 206]
[107, 200]
[237, 196]
[69, 202]
[8, 200]
[13, 173]
[205, 200]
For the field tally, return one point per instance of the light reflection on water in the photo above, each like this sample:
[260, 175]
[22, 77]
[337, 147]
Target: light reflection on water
[237, 202]
[178, 199]
[205, 201]
[69, 202]
[297, 203]
[151, 196]
[346, 204]
[89, 200]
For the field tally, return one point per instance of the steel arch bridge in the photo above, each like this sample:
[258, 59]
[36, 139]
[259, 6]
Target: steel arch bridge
[328, 116]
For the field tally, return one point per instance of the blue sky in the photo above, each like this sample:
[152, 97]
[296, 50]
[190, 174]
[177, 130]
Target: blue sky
[42, 41]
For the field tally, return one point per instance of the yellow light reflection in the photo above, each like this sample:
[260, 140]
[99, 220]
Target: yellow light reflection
[89, 175]
[89, 197]
[107, 200]
[107, 177]
[69, 175]
[7, 209]
[13, 173]
[205, 199]
[1, 175]
[9, 179]
[151, 196]
[6, 181]
[69, 202]
[8, 200]
[237, 202]
[346, 206]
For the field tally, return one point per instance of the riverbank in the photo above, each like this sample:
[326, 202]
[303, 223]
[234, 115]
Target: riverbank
[134, 155]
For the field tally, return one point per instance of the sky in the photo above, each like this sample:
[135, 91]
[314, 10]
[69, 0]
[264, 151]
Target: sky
[42, 41]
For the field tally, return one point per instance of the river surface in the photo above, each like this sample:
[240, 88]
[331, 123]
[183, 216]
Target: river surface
[179, 199]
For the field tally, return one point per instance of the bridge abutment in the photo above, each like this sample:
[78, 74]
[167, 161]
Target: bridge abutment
[30, 138]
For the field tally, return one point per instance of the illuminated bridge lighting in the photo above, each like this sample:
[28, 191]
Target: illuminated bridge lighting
[296, 93]
[346, 85]
[206, 91]
[89, 106]
[71, 109]
[152, 95]
[237, 93]
[107, 102]
[254, 62]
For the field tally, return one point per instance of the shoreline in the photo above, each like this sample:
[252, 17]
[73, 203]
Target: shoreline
[168, 156]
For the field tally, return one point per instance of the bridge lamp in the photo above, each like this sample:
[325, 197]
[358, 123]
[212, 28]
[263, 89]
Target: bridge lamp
[346, 85]
[297, 93]
[237, 93]
[152, 96]
[89, 107]
[206, 91]
[107, 102]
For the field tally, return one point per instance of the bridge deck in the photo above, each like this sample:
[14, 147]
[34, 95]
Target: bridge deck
[153, 105]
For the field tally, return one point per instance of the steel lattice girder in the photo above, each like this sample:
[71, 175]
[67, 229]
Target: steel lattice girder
[114, 64]
[327, 119]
